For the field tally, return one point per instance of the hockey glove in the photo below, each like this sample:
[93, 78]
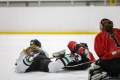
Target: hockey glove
[29, 59]
[84, 51]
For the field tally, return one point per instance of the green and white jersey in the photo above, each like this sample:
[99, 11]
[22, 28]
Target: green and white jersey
[22, 62]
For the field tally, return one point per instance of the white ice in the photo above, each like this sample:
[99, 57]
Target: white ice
[12, 45]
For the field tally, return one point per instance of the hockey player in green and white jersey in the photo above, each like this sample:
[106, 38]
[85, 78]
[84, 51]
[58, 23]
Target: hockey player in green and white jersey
[34, 58]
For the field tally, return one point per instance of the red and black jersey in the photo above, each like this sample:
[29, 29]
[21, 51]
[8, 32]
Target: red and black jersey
[107, 47]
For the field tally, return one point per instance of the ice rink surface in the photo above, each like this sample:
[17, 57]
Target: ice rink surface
[11, 46]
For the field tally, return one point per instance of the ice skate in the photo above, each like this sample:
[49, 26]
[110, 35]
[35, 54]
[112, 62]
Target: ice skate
[59, 54]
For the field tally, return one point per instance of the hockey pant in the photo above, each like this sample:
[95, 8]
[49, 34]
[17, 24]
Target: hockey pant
[112, 66]
[42, 63]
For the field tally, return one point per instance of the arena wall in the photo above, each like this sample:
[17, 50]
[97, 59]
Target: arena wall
[56, 20]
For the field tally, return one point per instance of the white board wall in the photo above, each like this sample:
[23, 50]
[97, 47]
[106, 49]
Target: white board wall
[56, 19]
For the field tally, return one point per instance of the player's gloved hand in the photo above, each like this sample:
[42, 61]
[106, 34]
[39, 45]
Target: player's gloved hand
[30, 57]
[85, 52]
[97, 62]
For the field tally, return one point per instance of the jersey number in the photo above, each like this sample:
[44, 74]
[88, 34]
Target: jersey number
[116, 41]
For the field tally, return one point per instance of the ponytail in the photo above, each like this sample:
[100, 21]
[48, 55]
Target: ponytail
[29, 49]
[108, 26]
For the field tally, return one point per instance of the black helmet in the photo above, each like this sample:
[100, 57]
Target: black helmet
[35, 42]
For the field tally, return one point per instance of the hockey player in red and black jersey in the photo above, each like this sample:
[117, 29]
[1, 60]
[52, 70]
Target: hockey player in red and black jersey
[76, 48]
[107, 47]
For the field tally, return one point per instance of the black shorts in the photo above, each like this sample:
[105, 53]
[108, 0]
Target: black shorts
[112, 66]
[40, 63]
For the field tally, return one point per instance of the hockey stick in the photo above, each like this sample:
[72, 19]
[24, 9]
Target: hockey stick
[81, 64]
[59, 53]
[76, 64]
